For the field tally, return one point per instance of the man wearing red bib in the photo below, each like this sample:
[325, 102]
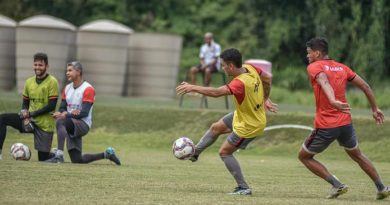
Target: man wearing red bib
[333, 119]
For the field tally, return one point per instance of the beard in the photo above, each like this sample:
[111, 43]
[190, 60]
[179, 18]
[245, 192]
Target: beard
[40, 73]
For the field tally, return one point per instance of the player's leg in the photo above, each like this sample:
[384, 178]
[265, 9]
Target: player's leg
[8, 119]
[64, 127]
[230, 145]
[224, 125]
[349, 141]
[317, 142]
[76, 156]
[42, 143]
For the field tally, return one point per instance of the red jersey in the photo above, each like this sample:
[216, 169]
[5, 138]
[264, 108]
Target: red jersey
[338, 75]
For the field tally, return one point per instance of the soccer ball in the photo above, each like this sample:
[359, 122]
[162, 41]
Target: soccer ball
[20, 151]
[183, 148]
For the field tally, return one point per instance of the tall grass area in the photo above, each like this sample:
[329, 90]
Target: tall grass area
[142, 132]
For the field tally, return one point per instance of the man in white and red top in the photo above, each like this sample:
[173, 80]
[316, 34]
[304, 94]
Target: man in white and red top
[74, 119]
[333, 119]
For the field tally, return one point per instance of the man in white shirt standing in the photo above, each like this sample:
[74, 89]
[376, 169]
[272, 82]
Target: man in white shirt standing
[209, 59]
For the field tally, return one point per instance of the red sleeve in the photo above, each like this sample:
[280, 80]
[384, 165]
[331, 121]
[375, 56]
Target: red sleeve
[238, 89]
[63, 96]
[89, 95]
[350, 73]
[313, 70]
[258, 68]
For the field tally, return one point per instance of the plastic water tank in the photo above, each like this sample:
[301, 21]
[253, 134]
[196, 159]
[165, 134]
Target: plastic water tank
[102, 50]
[43, 33]
[153, 64]
[7, 53]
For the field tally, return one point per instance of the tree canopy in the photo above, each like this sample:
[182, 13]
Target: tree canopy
[275, 30]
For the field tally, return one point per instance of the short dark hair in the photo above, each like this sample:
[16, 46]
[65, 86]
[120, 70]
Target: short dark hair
[41, 57]
[232, 55]
[318, 44]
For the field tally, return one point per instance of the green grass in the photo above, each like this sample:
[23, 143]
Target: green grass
[142, 131]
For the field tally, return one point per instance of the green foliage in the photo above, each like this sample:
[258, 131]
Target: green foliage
[277, 30]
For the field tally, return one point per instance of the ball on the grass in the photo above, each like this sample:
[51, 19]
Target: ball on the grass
[183, 148]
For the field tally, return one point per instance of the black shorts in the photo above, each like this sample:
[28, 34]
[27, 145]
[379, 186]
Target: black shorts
[233, 138]
[320, 139]
[214, 68]
[75, 141]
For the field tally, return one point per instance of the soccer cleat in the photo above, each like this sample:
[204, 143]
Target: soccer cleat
[56, 159]
[383, 194]
[241, 191]
[194, 158]
[337, 191]
[110, 154]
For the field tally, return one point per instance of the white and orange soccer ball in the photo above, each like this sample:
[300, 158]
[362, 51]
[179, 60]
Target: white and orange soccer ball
[20, 151]
[183, 148]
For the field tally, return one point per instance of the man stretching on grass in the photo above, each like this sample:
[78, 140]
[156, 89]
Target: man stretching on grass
[251, 88]
[333, 119]
[74, 119]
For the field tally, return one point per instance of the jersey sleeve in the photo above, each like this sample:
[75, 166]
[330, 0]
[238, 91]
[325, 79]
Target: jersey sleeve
[237, 88]
[257, 68]
[201, 53]
[89, 95]
[313, 70]
[53, 90]
[63, 94]
[25, 91]
[350, 74]
[217, 50]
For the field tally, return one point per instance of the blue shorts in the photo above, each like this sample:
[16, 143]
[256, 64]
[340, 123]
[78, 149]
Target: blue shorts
[320, 139]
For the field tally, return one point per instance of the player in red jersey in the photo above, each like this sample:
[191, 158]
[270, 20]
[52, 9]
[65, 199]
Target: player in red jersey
[333, 119]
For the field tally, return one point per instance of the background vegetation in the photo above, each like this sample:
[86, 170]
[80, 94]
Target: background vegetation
[276, 30]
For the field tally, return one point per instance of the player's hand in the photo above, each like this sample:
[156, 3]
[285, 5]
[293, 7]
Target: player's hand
[270, 106]
[75, 112]
[378, 116]
[59, 115]
[341, 106]
[23, 114]
[184, 88]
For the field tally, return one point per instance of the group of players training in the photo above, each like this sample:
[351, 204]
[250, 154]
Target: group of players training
[250, 88]
[72, 121]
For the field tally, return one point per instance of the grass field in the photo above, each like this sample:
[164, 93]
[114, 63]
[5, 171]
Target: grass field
[142, 131]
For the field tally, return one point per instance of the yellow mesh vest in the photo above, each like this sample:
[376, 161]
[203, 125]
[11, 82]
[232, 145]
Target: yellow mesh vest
[249, 117]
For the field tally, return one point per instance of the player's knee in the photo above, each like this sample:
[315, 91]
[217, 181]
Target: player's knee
[60, 122]
[217, 128]
[302, 156]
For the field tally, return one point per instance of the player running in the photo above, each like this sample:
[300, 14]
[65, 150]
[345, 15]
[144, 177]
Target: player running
[74, 119]
[333, 119]
[250, 88]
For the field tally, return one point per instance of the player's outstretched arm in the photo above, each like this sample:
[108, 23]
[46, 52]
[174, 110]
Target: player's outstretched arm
[322, 80]
[363, 85]
[185, 87]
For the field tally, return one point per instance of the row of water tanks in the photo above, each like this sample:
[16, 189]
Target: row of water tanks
[115, 60]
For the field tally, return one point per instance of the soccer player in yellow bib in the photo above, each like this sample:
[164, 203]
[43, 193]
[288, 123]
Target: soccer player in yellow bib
[250, 89]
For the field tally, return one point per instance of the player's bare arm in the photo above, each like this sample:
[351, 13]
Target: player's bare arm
[266, 79]
[185, 87]
[323, 81]
[377, 114]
